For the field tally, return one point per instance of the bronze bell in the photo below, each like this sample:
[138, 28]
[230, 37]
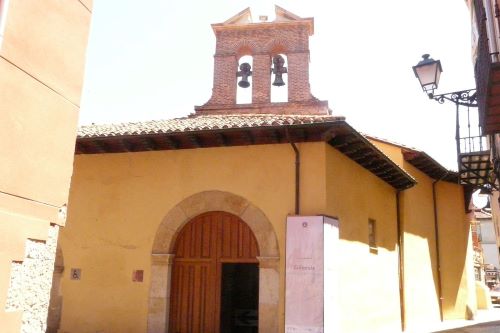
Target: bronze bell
[278, 81]
[278, 70]
[245, 72]
[244, 82]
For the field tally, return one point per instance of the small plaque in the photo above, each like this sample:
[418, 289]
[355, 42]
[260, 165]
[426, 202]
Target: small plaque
[76, 274]
[137, 275]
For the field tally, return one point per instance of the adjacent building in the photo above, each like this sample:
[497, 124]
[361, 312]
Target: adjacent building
[42, 56]
[173, 223]
[485, 19]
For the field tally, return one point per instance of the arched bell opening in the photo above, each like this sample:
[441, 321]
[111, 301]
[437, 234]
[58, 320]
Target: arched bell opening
[279, 78]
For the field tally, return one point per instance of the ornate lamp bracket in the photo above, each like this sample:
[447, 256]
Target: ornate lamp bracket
[464, 97]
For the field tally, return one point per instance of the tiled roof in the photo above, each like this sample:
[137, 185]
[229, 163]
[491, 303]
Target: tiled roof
[422, 161]
[201, 123]
[203, 131]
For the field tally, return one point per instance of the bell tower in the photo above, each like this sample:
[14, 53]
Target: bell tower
[268, 44]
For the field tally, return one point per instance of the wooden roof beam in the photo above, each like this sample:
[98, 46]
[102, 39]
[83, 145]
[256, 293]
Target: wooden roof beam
[221, 139]
[353, 147]
[150, 144]
[127, 145]
[100, 146]
[340, 141]
[171, 142]
[362, 153]
[194, 140]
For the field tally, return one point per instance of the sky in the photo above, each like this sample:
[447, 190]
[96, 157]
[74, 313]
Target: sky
[154, 60]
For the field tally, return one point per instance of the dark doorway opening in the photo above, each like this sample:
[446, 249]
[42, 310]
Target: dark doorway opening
[239, 298]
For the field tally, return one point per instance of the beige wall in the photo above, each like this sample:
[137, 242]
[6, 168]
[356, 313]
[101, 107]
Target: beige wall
[42, 58]
[117, 202]
[369, 293]
[420, 257]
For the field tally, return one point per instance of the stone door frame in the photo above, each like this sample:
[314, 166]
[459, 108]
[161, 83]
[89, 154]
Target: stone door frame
[163, 247]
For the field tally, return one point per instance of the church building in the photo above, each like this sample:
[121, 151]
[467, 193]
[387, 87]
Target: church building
[267, 216]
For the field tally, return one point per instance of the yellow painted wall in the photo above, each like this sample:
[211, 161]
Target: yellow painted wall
[420, 257]
[456, 253]
[42, 56]
[369, 292]
[117, 202]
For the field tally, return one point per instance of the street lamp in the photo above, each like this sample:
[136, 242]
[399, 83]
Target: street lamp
[473, 154]
[428, 71]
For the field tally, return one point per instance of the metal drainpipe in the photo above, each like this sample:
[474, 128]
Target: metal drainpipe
[297, 173]
[436, 233]
[400, 263]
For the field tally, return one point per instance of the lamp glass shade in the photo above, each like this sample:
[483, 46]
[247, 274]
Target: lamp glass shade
[428, 72]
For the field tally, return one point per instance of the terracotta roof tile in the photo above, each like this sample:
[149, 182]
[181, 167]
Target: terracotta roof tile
[201, 123]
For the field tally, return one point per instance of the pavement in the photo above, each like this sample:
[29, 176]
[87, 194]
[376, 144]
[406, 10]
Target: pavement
[485, 321]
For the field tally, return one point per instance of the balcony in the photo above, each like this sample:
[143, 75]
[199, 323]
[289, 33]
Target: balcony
[473, 151]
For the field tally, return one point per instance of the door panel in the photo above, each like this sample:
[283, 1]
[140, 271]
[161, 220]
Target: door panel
[202, 246]
[191, 303]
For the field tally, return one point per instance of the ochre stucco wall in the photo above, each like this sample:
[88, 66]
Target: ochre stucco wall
[459, 292]
[117, 202]
[369, 292]
[420, 257]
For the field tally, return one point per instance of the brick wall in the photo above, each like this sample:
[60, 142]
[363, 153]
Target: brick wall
[262, 41]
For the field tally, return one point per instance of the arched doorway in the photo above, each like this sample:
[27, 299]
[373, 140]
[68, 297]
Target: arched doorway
[162, 255]
[215, 277]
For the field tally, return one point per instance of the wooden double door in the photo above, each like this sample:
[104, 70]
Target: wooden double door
[215, 277]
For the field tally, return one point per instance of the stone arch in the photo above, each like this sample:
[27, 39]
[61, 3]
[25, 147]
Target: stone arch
[209, 201]
[163, 247]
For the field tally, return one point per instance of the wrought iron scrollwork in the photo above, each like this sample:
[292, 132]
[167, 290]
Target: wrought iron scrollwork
[465, 97]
